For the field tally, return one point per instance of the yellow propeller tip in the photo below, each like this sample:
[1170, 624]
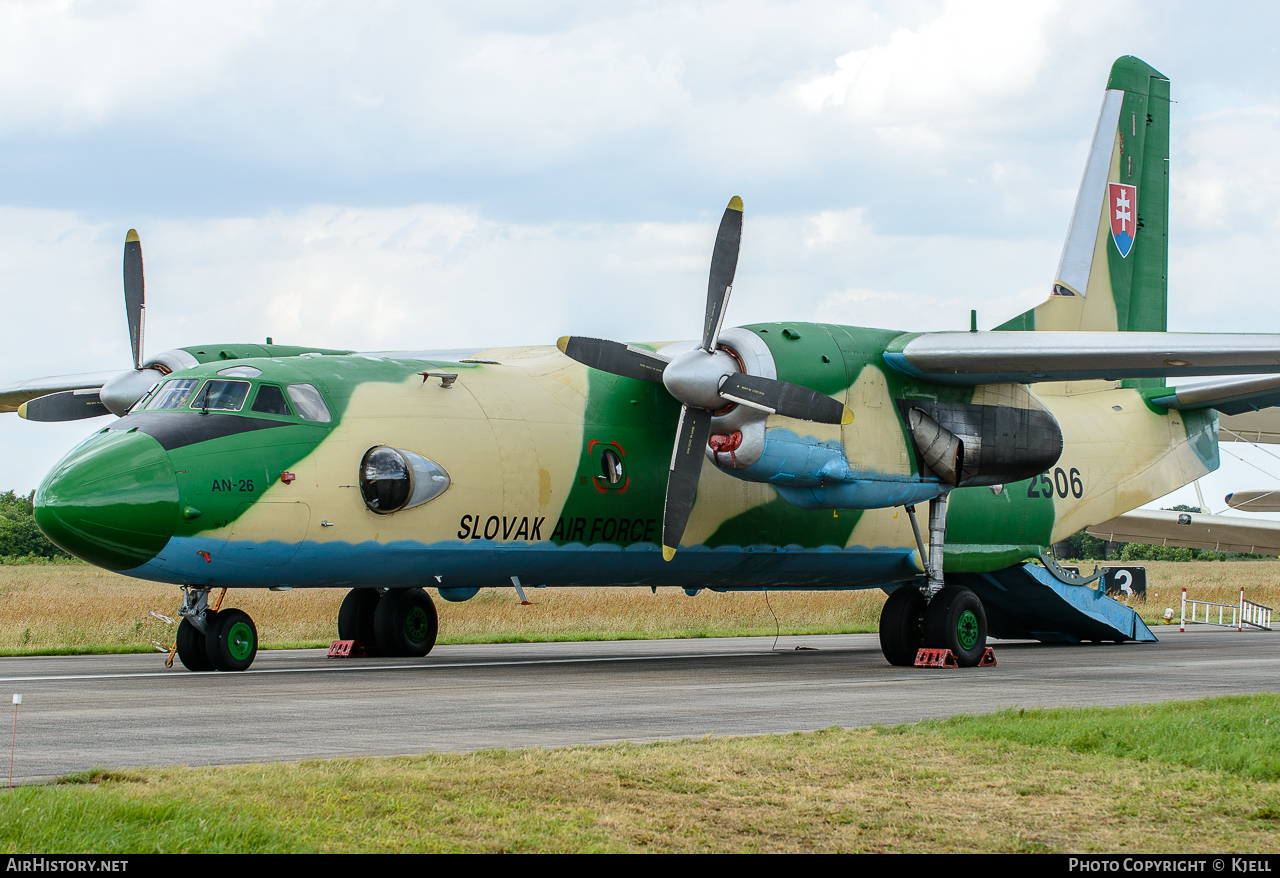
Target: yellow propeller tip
[847, 417]
[562, 342]
[668, 553]
[132, 237]
[22, 411]
[735, 203]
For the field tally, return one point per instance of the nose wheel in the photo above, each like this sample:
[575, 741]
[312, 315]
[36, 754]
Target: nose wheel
[209, 639]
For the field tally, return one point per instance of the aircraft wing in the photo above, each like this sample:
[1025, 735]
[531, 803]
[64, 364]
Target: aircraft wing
[1217, 533]
[1262, 427]
[968, 358]
[14, 395]
[1254, 501]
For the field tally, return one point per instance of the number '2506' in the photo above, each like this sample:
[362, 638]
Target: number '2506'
[1062, 482]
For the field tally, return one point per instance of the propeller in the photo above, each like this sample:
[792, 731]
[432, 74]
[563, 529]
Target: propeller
[705, 380]
[89, 396]
[121, 392]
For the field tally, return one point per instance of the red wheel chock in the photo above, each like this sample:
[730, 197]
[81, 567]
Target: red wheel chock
[945, 658]
[936, 658]
[347, 649]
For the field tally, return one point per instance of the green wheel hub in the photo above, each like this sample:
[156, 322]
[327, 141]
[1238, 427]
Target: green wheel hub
[967, 629]
[417, 625]
[240, 641]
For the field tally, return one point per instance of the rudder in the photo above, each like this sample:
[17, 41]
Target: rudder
[1113, 274]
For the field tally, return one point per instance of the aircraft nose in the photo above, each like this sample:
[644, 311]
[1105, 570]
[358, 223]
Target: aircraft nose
[113, 501]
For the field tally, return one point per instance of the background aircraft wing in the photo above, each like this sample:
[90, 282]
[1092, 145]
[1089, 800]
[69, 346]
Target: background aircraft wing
[14, 395]
[1217, 533]
[968, 358]
[1262, 427]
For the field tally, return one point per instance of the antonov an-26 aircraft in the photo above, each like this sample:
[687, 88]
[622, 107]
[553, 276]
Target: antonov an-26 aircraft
[774, 456]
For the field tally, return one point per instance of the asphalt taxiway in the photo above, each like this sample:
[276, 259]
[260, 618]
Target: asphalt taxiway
[80, 712]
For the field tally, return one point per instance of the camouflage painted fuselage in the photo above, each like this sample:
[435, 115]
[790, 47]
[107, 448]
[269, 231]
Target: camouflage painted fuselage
[258, 500]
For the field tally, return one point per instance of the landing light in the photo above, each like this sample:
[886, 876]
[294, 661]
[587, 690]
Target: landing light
[392, 479]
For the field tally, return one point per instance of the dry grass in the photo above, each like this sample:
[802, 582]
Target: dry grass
[1217, 581]
[84, 609]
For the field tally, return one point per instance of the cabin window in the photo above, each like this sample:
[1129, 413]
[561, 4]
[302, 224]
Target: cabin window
[223, 396]
[611, 464]
[270, 401]
[173, 395]
[307, 400]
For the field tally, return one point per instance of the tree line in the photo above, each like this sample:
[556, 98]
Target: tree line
[21, 542]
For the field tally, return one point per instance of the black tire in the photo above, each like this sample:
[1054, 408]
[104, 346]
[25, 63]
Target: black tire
[355, 617]
[902, 626]
[231, 641]
[405, 623]
[191, 650]
[955, 620]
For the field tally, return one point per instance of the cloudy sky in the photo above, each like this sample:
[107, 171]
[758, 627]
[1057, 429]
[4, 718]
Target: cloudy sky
[393, 175]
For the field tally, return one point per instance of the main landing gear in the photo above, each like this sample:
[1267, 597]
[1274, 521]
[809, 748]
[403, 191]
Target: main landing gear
[935, 615]
[395, 622]
[210, 639]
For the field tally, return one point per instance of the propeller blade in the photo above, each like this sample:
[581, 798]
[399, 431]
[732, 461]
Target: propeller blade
[70, 405]
[135, 299]
[682, 481]
[724, 263]
[784, 398]
[614, 357]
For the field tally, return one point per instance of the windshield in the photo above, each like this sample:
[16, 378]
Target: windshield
[218, 395]
[173, 395]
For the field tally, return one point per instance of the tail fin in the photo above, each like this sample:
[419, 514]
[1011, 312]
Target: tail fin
[1113, 274]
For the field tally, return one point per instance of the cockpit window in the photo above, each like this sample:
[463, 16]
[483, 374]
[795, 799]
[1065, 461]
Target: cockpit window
[219, 395]
[270, 401]
[173, 395]
[307, 400]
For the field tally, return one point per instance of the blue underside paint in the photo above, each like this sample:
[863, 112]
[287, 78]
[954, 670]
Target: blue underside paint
[480, 563]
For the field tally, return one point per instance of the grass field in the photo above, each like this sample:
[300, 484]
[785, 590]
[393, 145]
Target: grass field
[52, 609]
[1173, 777]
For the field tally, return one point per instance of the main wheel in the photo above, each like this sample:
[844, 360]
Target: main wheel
[231, 641]
[902, 626]
[191, 650]
[355, 617]
[405, 622]
[956, 621]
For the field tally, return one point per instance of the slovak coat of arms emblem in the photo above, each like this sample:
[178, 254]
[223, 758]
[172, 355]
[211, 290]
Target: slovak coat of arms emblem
[1122, 205]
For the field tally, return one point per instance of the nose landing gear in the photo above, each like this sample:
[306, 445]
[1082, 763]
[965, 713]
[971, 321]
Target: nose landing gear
[212, 640]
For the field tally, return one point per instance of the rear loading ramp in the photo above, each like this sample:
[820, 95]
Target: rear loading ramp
[1030, 602]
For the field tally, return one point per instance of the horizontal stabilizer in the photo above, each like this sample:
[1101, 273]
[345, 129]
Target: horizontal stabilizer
[69, 405]
[14, 395]
[969, 358]
[1231, 396]
[1214, 533]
